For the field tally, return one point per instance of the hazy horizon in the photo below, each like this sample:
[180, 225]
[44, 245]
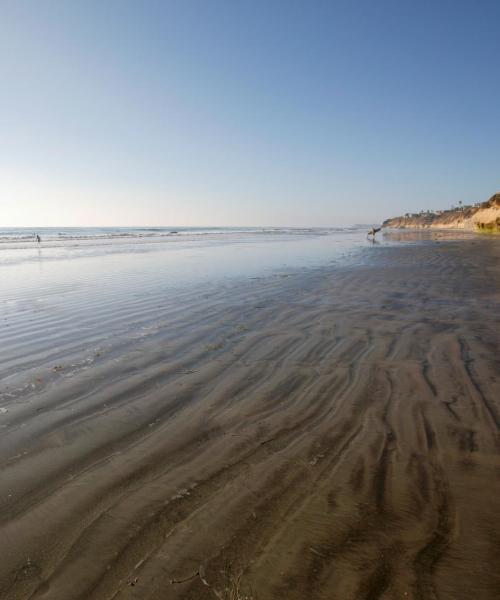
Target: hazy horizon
[320, 114]
[176, 225]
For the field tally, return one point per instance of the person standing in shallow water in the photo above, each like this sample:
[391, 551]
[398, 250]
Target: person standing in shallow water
[38, 238]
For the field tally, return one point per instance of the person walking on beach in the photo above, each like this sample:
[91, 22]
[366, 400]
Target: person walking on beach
[373, 231]
[38, 238]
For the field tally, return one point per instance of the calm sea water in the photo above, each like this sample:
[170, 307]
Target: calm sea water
[18, 245]
[81, 290]
[61, 234]
[106, 262]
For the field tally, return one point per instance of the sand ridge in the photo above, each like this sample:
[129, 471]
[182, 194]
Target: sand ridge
[332, 434]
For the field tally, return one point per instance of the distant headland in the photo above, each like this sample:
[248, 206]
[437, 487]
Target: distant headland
[483, 216]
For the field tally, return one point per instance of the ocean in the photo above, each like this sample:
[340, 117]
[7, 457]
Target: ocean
[61, 234]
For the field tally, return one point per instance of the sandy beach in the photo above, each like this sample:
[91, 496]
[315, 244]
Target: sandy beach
[329, 432]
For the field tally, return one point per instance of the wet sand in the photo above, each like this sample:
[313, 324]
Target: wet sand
[332, 434]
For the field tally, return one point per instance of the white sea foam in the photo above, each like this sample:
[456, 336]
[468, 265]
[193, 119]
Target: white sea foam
[27, 235]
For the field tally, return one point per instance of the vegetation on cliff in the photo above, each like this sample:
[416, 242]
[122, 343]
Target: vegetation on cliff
[483, 216]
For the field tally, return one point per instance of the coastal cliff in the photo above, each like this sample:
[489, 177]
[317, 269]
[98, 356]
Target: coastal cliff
[484, 217]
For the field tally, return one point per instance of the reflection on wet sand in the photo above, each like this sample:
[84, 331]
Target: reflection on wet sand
[420, 235]
[329, 434]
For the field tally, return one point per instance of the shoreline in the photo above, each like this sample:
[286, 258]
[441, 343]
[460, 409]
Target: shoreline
[439, 229]
[329, 433]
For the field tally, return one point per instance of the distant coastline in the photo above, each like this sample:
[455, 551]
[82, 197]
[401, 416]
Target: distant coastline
[481, 217]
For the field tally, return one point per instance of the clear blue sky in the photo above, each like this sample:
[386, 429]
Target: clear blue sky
[245, 113]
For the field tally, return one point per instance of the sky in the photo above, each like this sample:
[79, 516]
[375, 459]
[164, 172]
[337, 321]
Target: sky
[293, 113]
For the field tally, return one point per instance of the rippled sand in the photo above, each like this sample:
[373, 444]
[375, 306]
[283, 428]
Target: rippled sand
[331, 434]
